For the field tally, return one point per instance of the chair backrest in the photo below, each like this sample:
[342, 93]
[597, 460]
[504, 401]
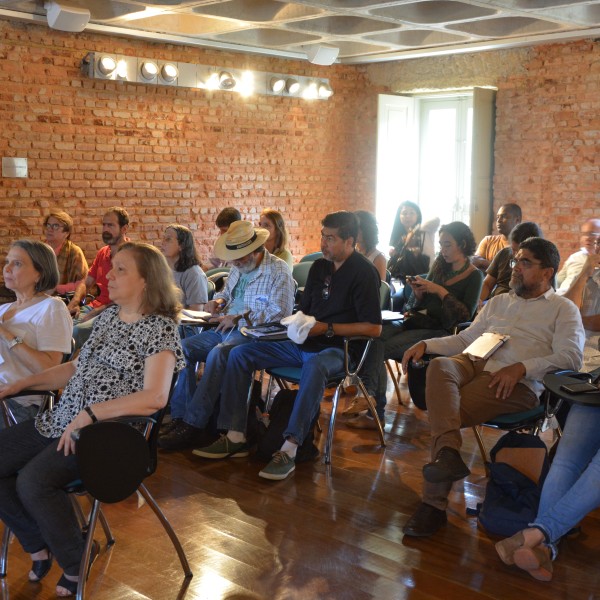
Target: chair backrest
[311, 257]
[385, 296]
[300, 273]
[211, 290]
[217, 270]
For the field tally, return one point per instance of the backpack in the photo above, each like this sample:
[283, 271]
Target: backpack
[271, 426]
[519, 465]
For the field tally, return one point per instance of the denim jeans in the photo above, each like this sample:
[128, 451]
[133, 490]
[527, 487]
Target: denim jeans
[194, 403]
[33, 502]
[572, 487]
[316, 366]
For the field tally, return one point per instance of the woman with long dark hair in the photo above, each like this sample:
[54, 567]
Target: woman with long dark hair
[180, 252]
[368, 238]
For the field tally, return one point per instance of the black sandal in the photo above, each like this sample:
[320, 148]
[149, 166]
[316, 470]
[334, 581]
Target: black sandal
[40, 568]
[71, 586]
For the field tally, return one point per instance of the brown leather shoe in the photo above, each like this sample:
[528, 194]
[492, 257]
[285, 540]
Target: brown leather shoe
[425, 521]
[447, 467]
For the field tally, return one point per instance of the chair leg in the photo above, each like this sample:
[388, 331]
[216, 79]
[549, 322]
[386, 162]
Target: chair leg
[482, 449]
[167, 527]
[87, 551]
[334, 403]
[371, 404]
[394, 381]
[4, 551]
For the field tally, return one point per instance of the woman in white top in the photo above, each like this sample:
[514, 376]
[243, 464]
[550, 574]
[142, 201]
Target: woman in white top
[179, 250]
[35, 330]
[368, 238]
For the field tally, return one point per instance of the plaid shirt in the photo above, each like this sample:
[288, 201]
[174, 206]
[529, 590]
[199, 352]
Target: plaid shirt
[269, 293]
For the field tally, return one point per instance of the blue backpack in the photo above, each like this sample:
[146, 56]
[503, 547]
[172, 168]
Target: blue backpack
[512, 498]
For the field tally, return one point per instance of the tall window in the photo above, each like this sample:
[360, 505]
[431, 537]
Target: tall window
[424, 154]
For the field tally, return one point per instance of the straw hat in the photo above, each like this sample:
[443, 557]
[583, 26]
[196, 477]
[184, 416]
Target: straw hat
[240, 240]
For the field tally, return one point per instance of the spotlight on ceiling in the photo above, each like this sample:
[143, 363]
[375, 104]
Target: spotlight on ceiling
[292, 86]
[277, 84]
[107, 65]
[66, 18]
[226, 80]
[149, 70]
[169, 72]
[325, 90]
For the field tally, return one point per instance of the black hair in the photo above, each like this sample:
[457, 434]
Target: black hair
[513, 209]
[345, 222]
[544, 251]
[122, 215]
[367, 224]
[525, 230]
[463, 236]
[399, 231]
[228, 216]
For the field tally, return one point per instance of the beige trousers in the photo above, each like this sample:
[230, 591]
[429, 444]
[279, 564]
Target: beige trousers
[457, 396]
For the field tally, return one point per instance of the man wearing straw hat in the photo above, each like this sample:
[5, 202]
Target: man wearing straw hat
[259, 289]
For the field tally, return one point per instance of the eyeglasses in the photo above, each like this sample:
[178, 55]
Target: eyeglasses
[326, 288]
[525, 263]
[54, 226]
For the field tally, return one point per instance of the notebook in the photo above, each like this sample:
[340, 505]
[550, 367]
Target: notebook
[485, 345]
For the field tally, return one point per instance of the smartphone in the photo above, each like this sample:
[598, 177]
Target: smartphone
[579, 388]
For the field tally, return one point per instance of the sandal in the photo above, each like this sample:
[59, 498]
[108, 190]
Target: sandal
[71, 586]
[40, 568]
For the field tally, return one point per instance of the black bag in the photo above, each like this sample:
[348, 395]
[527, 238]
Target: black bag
[512, 498]
[409, 258]
[272, 425]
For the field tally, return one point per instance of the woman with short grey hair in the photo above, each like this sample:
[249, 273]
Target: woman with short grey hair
[35, 330]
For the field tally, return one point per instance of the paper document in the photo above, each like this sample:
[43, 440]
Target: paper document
[390, 315]
[485, 345]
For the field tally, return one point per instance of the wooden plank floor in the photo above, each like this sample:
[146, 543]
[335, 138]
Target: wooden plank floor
[327, 533]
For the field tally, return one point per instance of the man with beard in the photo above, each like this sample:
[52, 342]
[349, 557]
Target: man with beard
[507, 218]
[115, 224]
[341, 298]
[546, 334]
[259, 289]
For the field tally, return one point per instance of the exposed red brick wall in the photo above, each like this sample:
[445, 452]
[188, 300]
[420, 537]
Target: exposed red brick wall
[547, 150]
[174, 154]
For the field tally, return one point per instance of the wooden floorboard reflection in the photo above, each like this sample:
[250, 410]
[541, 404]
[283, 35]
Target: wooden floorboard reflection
[330, 533]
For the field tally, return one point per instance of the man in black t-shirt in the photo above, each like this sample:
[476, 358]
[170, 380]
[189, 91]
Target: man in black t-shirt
[342, 294]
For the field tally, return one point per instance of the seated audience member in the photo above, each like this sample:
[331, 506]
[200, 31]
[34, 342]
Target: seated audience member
[224, 219]
[497, 276]
[570, 492]
[36, 329]
[446, 297]
[72, 266]
[179, 250]
[412, 242]
[585, 293]
[590, 234]
[546, 334]
[508, 216]
[115, 224]
[259, 289]
[126, 368]
[368, 238]
[277, 242]
[342, 294]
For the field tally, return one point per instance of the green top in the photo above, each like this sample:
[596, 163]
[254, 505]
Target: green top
[285, 255]
[450, 313]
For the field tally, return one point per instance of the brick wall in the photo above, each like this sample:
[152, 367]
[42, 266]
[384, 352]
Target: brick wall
[174, 154]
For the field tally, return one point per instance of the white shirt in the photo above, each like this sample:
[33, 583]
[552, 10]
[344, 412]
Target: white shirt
[45, 326]
[546, 334]
[570, 270]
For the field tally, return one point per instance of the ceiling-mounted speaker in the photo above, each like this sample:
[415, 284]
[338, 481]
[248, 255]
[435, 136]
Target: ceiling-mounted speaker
[322, 54]
[66, 18]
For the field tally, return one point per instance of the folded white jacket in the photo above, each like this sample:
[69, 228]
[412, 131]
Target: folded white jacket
[298, 325]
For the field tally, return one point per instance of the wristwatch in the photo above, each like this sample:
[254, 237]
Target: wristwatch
[16, 340]
[329, 333]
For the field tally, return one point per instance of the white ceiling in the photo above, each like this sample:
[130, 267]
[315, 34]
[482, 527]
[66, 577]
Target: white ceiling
[364, 30]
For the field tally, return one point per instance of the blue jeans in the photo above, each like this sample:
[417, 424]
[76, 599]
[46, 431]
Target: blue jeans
[316, 367]
[33, 502]
[194, 402]
[572, 488]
